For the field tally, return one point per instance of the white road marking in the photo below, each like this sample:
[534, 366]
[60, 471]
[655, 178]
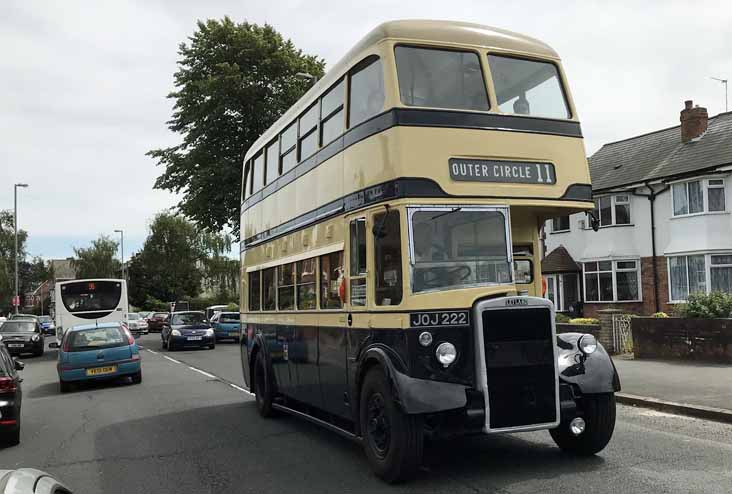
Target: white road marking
[241, 389]
[210, 376]
[202, 372]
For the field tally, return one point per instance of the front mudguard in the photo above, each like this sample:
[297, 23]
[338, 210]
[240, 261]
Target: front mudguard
[411, 394]
[594, 373]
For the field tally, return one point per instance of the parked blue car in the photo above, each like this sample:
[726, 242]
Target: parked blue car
[226, 325]
[94, 352]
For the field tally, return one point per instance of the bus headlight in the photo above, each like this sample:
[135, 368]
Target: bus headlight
[446, 353]
[175, 332]
[587, 344]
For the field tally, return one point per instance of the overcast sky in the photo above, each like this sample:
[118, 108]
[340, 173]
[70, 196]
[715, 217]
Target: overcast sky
[83, 85]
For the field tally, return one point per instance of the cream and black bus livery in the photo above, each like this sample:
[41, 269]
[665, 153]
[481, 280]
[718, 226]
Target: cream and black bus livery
[390, 224]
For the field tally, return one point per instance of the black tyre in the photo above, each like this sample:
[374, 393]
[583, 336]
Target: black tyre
[137, 377]
[393, 441]
[170, 346]
[64, 386]
[263, 386]
[599, 415]
[211, 347]
[40, 352]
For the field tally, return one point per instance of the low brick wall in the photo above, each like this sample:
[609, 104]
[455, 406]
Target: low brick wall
[593, 329]
[705, 340]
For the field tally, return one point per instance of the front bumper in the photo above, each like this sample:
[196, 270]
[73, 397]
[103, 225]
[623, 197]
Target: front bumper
[183, 341]
[124, 368]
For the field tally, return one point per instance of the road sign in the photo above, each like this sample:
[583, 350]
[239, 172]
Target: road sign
[16, 300]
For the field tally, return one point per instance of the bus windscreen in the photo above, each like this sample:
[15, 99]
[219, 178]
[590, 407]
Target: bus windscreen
[87, 296]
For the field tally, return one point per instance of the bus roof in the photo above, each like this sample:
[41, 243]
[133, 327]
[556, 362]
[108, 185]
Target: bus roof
[436, 32]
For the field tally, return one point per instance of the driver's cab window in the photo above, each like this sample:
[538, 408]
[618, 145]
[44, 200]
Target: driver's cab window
[357, 263]
[388, 258]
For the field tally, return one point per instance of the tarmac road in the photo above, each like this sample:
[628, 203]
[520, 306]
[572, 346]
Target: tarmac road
[188, 429]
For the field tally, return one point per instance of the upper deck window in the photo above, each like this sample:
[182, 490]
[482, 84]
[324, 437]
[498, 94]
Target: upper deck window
[273, 159]
[528, 87]
[331, 113]
[258, 172]
[308, 132]
[287, 147]
[366, 96]
[456, 247]
[440, 78]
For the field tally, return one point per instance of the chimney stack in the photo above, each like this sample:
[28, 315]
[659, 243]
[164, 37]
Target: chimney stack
[693, 121]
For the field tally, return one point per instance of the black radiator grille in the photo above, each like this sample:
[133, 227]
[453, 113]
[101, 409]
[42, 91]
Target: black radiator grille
[519, 358]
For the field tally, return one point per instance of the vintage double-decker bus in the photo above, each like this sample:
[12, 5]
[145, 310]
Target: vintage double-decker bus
[390, 248]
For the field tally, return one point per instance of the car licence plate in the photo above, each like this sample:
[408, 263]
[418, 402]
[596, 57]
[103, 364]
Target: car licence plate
[97, 371]
[15, 345]
[195, 338]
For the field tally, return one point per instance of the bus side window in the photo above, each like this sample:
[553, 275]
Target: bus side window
[269, 298]
[255, 291]
[358, 262]
[388, 258]
[331, 276]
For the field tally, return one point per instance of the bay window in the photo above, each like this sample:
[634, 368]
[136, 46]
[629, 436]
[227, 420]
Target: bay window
[612, 281]
[698, 196]
[720, 273]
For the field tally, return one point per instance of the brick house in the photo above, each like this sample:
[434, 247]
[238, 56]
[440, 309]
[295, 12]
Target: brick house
[665, 230]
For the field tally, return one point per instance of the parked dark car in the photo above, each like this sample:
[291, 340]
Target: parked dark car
[22, 336]
[187, 329]
[156, 321]
[11, 397]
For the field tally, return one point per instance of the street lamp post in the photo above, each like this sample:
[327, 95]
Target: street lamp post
[122, 249]
[15, 224]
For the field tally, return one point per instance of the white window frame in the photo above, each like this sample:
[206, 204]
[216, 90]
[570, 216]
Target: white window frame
[613, 203]
[614, 270]
[705, 185]
[569, 223]
[707, 271]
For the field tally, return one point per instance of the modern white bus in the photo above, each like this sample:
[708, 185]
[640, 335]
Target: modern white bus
[88, 301]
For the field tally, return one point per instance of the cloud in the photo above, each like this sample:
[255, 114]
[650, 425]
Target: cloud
[84, 83]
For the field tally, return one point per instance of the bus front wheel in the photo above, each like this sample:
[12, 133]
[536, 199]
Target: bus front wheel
[393, 441]
[599, 415]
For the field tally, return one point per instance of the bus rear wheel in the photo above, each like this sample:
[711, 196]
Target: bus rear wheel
[599, 416]
[393, 441]
[263, 386]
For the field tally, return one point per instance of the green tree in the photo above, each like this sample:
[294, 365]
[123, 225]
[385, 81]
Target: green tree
[99, 260]
[233, 81]
[167, 267]
[7, 266]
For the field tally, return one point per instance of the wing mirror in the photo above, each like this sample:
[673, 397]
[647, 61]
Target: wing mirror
[53, 344]
[18, 365]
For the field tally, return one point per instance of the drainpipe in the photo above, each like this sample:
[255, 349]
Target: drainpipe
[652, 198]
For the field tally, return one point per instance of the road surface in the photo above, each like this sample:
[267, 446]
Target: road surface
[190, 428]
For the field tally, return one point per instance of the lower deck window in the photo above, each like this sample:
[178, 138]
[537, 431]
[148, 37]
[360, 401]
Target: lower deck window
[331, 276]
[269, 295]
[286, 286]
[306, 284]
[255, 291]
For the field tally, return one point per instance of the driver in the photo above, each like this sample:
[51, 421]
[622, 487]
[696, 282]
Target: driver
[425, 250]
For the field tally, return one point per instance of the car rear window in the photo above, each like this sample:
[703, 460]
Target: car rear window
[96, 338]
[188, 318]
[161, 315]
[233, 317]
[18, 326]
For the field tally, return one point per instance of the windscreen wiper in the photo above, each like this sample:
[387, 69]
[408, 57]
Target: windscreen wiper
[455, 210]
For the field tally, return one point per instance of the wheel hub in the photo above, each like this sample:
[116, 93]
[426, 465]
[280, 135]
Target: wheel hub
[378, 425]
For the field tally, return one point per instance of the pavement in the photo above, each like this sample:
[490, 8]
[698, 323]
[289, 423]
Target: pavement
[191, 428]
[691, 388]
